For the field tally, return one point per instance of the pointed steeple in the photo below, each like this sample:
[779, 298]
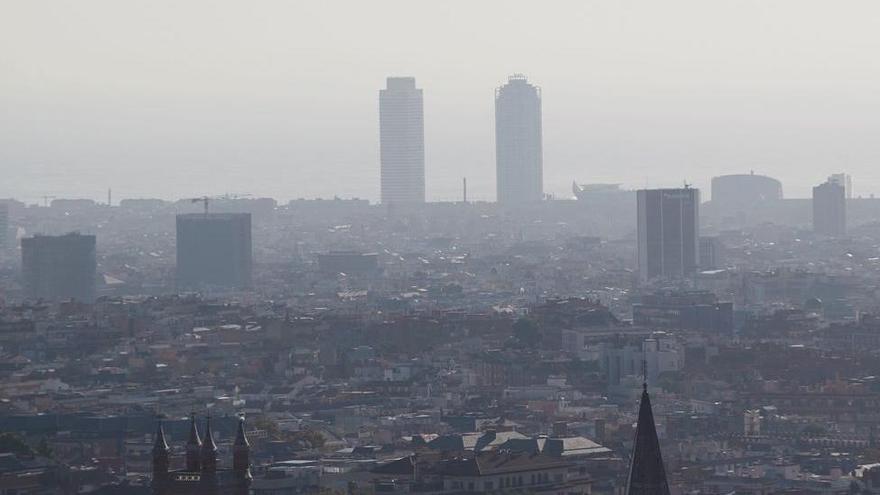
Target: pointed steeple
[647, 476]
[193, 446]
[160, 446]
[209, 449]
[240, 437]
[241, 453]
[161, 460]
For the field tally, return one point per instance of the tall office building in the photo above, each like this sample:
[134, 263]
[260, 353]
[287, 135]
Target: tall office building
[519, 163]
[829, 208]
[402, 142]
[844, 180]
[668, 232]
[214, 250]
[61, 267]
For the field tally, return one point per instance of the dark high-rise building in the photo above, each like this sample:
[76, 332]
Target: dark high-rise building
[829, 208]
[402, 142]
[61, 267]
[519, 158]
[668, 232]
[647, 475]
[214, 250]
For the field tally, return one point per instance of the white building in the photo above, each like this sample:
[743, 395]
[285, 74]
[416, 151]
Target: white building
[518, 142]
[402, 142]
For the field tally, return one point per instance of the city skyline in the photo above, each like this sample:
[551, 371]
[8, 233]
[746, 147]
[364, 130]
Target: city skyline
[242, 105]
[439, 248]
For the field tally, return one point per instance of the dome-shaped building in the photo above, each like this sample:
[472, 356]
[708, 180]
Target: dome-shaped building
[745, 189]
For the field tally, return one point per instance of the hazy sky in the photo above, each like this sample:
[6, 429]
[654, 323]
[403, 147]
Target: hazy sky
[183, 98]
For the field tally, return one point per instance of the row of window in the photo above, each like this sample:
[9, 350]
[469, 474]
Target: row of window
[509, 482]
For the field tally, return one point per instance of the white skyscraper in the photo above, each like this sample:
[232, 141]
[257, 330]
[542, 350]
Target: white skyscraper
[518, 150]
[402, 142]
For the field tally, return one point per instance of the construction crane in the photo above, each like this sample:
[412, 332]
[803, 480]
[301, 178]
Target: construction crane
[207, 199]
[204, 200]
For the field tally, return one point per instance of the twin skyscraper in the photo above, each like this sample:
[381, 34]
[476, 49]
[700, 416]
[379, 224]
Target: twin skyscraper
[518, 142]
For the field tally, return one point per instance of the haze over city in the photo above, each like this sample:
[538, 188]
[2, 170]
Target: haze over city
[439, 248]
[174, 99]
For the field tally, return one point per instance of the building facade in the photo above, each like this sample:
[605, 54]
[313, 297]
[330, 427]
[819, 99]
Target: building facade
[668, 232]
[402, 142]
[844, 180]
[739, 191]
[829, 208]
[691, 310]
[518, 142]
[711, 253]
[214, 250]
[201, 475]
[62, 267]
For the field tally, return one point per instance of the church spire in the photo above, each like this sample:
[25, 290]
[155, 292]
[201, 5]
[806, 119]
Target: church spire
[647, 476]
[240, 437]
[160, 446]
[161, 461]
[241, 453]
[193, 446]
[209, 449]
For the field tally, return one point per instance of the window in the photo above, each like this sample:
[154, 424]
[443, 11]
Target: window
[470, 486]
[487, 485]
